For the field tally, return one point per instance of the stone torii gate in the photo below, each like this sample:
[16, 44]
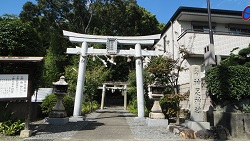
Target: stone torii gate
[111, 49]
[123, 86]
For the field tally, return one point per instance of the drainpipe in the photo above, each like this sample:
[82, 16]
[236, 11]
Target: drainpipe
[164, 43]
[172, 36]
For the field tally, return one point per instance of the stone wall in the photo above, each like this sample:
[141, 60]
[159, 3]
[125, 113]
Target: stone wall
[238, 124]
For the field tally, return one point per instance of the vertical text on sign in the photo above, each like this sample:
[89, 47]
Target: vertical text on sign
[13, 85]
[197, 89]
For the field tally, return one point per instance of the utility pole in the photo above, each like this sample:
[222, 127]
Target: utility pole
[209, 54]
[210, 23]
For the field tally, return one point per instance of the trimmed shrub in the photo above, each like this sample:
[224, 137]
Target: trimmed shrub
[228, 83]
[50, 101]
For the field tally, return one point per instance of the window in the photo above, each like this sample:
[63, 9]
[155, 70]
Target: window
[238, 29]
[202, 26]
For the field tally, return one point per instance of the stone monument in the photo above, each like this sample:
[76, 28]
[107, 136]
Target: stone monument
[58, 114]
[197, 119]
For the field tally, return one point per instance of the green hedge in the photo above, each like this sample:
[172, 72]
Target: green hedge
[50, 101]
[228, 83]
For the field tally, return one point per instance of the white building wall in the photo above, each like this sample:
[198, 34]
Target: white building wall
[185, 25]
[171, 44]
[223, 43]
[195, 43]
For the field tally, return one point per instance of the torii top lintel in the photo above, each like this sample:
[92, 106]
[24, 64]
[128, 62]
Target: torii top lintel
[98, 39]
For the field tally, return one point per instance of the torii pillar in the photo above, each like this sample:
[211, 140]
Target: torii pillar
[139, 81]
[103, 96]
[125, 97]
[80, 80]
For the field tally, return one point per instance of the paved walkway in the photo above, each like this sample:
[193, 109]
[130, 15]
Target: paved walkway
[111, 124]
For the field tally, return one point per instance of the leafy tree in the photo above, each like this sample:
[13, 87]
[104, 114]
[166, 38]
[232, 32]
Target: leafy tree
[164, 71]
[18, 38]
[94, 78]
[123, 18]
[55, 59]
[118, 17]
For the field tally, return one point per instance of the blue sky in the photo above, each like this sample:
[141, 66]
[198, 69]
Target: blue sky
[163, 9]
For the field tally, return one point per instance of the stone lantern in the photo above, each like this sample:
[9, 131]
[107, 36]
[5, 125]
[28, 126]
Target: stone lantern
[58, 114]
[155, 92]
[156, 117]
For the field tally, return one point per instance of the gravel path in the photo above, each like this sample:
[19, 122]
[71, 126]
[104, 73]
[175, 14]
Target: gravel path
[49, 132]
[140, 130]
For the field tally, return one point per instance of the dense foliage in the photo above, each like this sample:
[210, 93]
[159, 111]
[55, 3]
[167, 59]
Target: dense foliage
[10, 128]
[18, 38]
[160, 68]
[132, 94]
[88, 107]
[118, 17]
[230, 81]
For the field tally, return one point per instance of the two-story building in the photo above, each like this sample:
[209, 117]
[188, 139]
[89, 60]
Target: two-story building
[189, 28]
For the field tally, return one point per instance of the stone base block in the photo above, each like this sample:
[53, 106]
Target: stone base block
[25, 133]
[57, 121]
[77, 118]
[156, 115]
[157, 122]
[196, 126]
[57, 114]
[139, 118]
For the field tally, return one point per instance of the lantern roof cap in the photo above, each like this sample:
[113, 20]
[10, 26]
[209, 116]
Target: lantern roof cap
[61, 81]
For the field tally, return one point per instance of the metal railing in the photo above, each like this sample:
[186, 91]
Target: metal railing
[215, 32]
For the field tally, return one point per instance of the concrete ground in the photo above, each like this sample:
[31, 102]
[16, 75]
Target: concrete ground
[109, 125]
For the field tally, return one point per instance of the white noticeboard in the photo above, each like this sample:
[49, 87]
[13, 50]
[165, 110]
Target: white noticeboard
[13, 85]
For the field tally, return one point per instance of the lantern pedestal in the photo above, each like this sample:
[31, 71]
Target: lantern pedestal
[156, 111]
[58, 111]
